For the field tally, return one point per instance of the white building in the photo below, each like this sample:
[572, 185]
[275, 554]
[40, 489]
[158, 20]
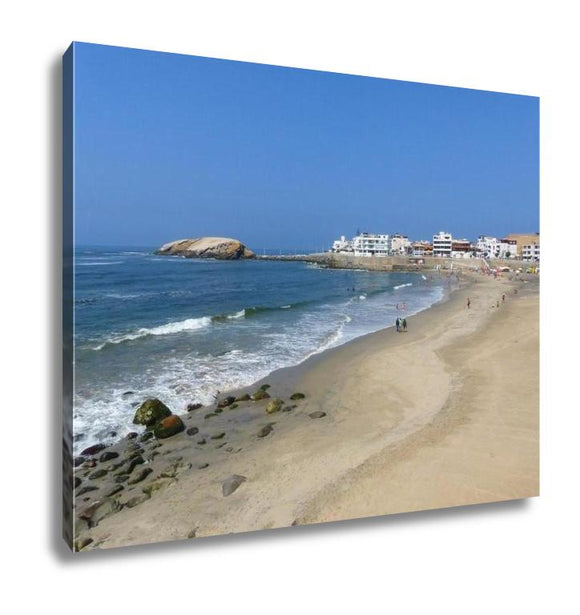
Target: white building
[531, 252]
[442, 244]
[400, 244]
[342, 245]
[492, 247]
[369, 244]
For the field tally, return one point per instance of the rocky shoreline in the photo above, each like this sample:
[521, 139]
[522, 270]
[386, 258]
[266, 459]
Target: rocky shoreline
[277, 453]
[123, 475]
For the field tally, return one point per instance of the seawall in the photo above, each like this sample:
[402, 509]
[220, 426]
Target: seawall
[394, 263]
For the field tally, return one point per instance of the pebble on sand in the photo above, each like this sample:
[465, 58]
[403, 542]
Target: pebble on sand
[264, 431]
[142, 475]
[231, 484]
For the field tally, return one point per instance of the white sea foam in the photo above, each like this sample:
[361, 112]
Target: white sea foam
[402, 285]
[190, 324]
[98, 263]
[192, 374]
[239, 314]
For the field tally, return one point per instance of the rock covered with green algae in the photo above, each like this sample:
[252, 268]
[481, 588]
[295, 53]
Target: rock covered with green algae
[295, 396]
[150, 412]
[274, 406]
[260, 394]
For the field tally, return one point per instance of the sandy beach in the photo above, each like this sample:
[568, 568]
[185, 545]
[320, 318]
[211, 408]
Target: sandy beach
[445, 414]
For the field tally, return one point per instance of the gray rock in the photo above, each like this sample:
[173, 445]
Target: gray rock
[231, 484]
[86, 489]
[138, 499]
[133, 463]
[97, 511]
[114, 490]
[93, 450]
[192, 431]
[108, 455]
[317, 415]
[142, 475]
[98, 474]
[202, 466]
[297, 396]
[218, 436]
[157, 485]
[264, 431]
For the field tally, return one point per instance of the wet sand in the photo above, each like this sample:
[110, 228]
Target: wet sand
[445, 414]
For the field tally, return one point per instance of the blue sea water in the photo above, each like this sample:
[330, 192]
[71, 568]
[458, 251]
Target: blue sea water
[182, 329]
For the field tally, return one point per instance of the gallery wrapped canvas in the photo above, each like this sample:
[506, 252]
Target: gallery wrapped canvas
[291, 297]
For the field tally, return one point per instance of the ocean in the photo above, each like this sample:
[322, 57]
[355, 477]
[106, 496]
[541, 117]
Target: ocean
[183, 329]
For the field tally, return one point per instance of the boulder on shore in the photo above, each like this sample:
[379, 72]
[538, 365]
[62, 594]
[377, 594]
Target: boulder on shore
[151, 411]
[222, 248]
[168, 427]
[274, 405]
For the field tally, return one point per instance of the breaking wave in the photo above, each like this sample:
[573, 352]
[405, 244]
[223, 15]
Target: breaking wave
[190, 324]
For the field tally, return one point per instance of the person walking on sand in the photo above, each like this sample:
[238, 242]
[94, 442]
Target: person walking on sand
[404, 324]
[503, 297]
[397, 323]
[468, 302]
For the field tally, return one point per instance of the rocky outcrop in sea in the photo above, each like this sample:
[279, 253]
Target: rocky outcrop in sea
[221, 248]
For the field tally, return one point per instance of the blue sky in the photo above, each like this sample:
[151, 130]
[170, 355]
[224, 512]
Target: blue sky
[170, 146]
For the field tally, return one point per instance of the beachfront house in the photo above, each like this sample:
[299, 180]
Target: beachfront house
[369, 244]
[422, 248]
[400, 245]
[492, 247]
[531, 252]
[523, 239]
[461, 248]
[442, 244]
[342, 245]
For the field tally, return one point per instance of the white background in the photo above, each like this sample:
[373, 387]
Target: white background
[518, 557]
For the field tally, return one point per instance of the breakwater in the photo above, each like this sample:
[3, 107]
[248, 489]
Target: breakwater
[393, 263]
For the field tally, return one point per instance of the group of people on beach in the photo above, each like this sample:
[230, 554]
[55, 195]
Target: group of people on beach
[401, 324]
